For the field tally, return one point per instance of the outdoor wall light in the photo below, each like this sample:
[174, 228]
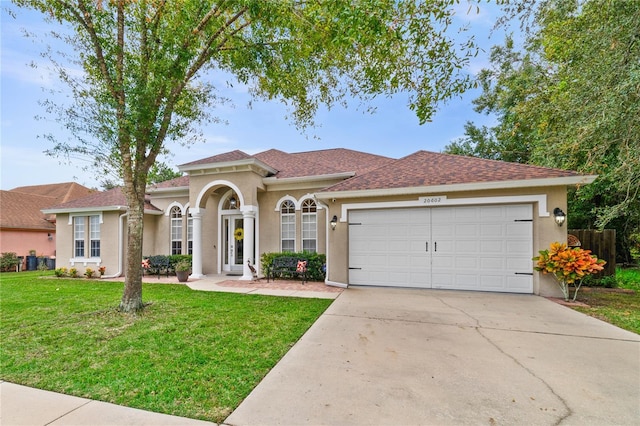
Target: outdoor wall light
[334, 222]
[559, 216]
[232, 202]
[49, 236]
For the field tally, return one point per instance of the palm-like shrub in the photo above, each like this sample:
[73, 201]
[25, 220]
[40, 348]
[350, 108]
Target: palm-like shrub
[569, 266]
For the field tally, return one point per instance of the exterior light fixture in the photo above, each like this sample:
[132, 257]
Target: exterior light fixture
[334, 222]
[49, 236]
[233, 202]
[559, 216]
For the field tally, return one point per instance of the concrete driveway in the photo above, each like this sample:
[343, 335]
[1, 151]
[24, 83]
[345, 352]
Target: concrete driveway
[382, 356]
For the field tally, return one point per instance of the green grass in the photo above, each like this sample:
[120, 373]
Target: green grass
[621, 306]
[192, 354]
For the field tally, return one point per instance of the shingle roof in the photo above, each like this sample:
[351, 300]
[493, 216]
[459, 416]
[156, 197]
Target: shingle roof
[20, 208]
[221, 158]
[178, 182]
[111, 198]
[425, 168]
[62, 192]
[322, 162]
[341, 160]
[22, 211]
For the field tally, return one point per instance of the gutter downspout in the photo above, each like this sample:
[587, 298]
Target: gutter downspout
[120, 250]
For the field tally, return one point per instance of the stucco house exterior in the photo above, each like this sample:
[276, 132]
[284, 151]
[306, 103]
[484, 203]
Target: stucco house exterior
[427, 220]
[23, 225]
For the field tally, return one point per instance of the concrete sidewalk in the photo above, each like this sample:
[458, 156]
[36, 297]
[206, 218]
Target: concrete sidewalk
[20, 405]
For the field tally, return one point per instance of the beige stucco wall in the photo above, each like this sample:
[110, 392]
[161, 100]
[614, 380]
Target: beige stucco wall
[109, 240]
[249, 186]
[545, 230]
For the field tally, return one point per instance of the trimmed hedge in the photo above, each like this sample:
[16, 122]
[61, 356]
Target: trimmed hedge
[315, 262]
[161, 259]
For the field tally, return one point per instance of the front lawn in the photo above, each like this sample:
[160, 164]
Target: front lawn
[618, 306]
[192, 354]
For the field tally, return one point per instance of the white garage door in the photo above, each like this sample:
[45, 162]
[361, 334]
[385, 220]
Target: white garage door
[484, 248]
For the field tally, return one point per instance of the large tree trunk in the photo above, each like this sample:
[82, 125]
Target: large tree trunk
[132, 296]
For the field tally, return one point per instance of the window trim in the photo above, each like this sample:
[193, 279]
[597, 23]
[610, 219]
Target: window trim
[291, 214]
[310, 204]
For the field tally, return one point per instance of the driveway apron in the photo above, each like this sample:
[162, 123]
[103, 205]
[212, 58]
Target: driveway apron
[428, 357]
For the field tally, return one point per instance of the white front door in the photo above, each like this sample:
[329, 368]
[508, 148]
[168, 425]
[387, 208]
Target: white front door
[233, 238]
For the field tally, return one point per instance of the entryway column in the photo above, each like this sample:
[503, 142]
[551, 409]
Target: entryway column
[196, 261]
[248, 216]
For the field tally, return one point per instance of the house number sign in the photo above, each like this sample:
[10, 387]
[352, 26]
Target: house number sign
[434, 200]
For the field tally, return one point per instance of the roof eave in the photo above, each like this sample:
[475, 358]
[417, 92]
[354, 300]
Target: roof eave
[97, 210]
[85, 209]
[475, 186]
[303, 179]
[226, 166]
[168, 189]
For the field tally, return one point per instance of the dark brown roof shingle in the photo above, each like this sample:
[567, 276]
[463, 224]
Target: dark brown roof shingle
[425, 168]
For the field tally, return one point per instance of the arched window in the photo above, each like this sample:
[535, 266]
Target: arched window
[232, 202]
[309, 226]
[288, 226]
[176, 230]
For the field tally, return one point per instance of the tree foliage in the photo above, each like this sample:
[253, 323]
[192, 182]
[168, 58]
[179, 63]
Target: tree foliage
[572, 100]
[144, 66]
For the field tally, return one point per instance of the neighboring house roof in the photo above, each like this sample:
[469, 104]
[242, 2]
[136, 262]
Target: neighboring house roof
[62, 192]
[112, 199]
[424, 169]
[22, 207]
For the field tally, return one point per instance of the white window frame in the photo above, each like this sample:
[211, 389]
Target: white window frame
[94, 236]
[309, 226]
[79, 240]
[175, 230]
[287, 225]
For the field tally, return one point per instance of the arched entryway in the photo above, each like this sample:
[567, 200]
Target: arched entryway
[236, 230]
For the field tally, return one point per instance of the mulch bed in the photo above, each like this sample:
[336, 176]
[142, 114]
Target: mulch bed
[282, 285]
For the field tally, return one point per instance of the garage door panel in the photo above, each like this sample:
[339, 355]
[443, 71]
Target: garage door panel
[471, 247]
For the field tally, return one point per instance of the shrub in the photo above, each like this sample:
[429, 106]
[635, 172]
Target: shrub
[61, 272]
[8, 261]
[568, 265]
[315, 262]
[88, 273]
[73, 273]
[174, 259]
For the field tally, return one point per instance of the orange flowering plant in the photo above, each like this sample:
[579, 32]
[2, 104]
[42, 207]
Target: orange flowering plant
[568, 265]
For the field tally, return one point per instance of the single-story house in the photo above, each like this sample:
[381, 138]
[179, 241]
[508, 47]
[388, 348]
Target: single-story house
[427, 220]
[24, 228]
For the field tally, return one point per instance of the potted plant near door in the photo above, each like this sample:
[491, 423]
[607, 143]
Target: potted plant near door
[183, 269]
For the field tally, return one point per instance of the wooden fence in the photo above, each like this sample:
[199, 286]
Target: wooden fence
[602, 244]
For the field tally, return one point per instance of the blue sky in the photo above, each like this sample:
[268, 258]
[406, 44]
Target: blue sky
[392, 131]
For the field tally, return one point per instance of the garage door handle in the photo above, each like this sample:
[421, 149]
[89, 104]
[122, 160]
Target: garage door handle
[524, 273]
[435, 246]
[426, 246]
[356, 268]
